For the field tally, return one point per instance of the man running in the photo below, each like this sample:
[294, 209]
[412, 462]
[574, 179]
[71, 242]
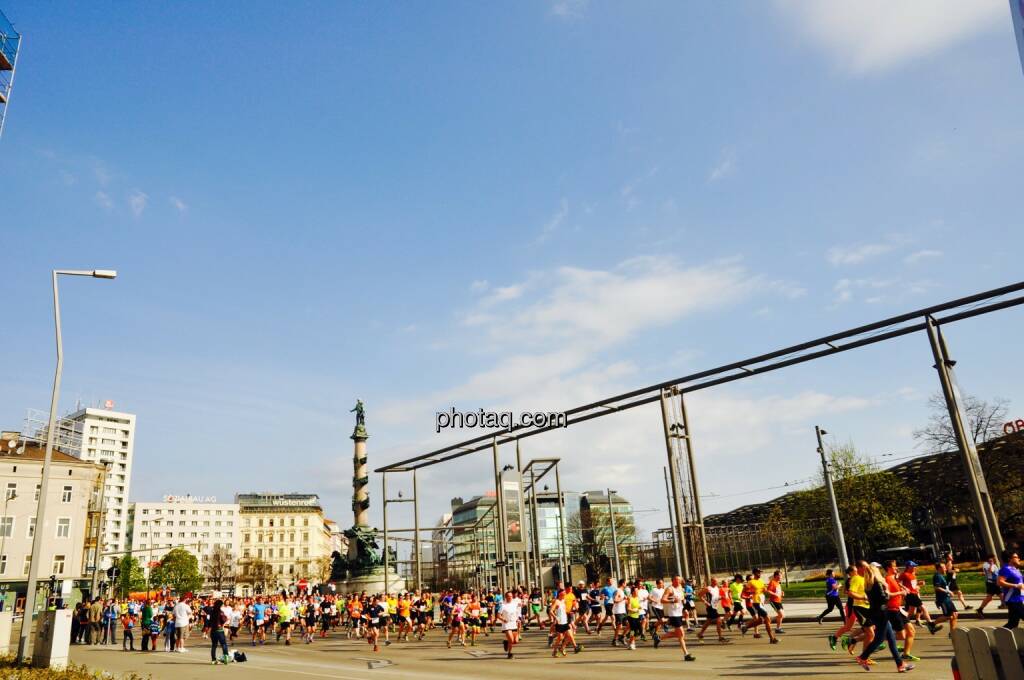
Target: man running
[1010, 580]
[508, 615]
[775, 595]
[712, 597]
[832, 600]
[672, 600]
[990, 569]
[757, 588]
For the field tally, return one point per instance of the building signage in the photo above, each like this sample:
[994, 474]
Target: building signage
[189, 498]
[295, 501]
[1013, 426]
[512, 511]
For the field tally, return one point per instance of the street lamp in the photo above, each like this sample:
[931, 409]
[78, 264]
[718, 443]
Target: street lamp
[40, 533]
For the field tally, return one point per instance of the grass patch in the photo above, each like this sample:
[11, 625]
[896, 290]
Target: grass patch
[11, 670]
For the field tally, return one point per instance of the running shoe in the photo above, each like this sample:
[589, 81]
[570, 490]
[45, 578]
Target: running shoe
[832, 642]
[780, 631]
[657, 642]
[504, 645]
[863, 664]
[911, 657]
[689, 657]
[905, 668]
[578, 649]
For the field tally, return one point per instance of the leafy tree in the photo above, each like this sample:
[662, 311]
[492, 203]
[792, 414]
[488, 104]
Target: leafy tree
[131, 577]
[258, 573]
[179, 569]
[220, 567]
[984, 422]
[875, 506]
[588, 536]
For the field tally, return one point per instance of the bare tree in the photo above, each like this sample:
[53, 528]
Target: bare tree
[322, 568]
[984, 421]
[220, 567]
[256, 572]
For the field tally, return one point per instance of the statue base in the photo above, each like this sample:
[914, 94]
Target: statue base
[372, 582]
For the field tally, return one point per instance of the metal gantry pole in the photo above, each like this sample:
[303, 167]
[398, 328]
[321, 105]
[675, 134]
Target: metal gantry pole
[384, 496]
[499, 538]
[837, 523]
[705, 561]
[563, 553]
[677, 501]
[982, 501]
[672, 525]
[615, 542]
[538, 566]
[416, 524]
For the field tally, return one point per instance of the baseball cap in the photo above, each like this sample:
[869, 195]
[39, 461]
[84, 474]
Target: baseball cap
[875, 564]
[911, 563]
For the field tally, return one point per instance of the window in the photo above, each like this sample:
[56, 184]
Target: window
[145, 512]
[58, 565]
[31, 527]
[292, 523]
[26, 564]
[305, 552]
[259, 553]
[36, 499]
[305, 521]
[65, 496]
[271, 521]
[246, 538]
[3, 564]
[12, 490]
[6, 527]
[280, 552]
[144, 534]
[291, 552]
[305, 537]
[64, 527]
[245, 552]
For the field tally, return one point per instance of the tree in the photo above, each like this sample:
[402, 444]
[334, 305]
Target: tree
[322, 567]
[131, 577]
[984, 422]
[875, 506]
[220, 567]
[258, 573]
[179, 569]
[588, 536]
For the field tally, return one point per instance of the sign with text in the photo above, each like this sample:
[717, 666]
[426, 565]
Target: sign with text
[512, 511]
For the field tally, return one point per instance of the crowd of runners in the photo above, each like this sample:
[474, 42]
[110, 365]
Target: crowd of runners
[883, 606]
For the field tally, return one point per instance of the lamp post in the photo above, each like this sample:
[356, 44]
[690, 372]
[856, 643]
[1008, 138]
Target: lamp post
[837, 523]
[41, 529]
[615, 542]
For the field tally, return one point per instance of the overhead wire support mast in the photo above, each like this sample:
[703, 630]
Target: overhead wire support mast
[861, 336]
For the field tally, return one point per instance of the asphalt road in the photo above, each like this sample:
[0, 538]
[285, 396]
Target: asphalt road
[803, 653]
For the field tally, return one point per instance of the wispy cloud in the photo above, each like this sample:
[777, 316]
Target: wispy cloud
[873, 290]
[103, 200]
[178, 204]
[846, 255]
[479, 286]
[870, 36]
[137, 201]
[926, 254]
[628, 190]
[726, 165]
[554, 222]
[569, 9]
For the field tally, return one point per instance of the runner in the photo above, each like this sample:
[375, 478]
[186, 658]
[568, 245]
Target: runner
[944, 597]
[560, 617]
[831, 597]
[736, 595]
[990, 569]
[1009, 579]
[954, 587]
[509, 615]
[757, 588]
[259, 620]
[712, 597]
[775, 595]
[912, 600]
[878, 597]
[672, 600]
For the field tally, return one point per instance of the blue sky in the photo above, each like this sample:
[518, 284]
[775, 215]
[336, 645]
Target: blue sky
[524, 205]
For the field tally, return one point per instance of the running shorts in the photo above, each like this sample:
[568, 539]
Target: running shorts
[897, 619]
[759, 611]
[712, 614]
[991, 588]
[675, 621]
[946, 607]
[608, 609]
[657, 613]
[620, 619]
[561, 627]
[777, 606]
[635, 625]
[737, 607]
[914, 600]
[689, 606]
[860, 613]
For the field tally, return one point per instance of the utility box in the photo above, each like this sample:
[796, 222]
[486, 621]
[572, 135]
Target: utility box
[5, 631]
[53, 639]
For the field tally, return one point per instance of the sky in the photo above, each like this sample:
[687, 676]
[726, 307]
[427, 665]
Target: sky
[512, 206]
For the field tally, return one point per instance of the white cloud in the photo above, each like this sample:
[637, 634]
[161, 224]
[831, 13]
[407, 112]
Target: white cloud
[725, 167]
[103, 200]
[869, 36]
[555, 221]
[178, 204]
[844, 255]
[569, 9]
[479, 286]
[137, 202]
[628, 190]
[916, 257]
[877, 290]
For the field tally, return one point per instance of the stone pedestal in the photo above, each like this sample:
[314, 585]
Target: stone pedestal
[53, 639]
[373, 583]
[5, 631]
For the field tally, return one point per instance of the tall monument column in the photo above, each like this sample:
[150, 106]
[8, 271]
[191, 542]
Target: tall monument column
[360, 478]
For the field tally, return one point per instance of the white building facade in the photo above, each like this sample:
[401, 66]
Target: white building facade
[200, 525]
[108, 437]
